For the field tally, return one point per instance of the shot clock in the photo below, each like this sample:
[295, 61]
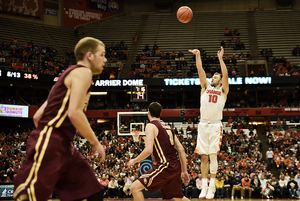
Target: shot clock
[139, 94]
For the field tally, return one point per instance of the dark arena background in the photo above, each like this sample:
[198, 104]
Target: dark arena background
[148, 61]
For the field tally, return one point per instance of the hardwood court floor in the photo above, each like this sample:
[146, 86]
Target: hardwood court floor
[193, 199]
[196, 199]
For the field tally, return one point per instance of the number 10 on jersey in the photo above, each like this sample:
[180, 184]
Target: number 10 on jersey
[213, 98]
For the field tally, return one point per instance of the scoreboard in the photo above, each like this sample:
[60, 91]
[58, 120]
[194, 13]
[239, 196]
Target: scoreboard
[23, 76]
[139, 93]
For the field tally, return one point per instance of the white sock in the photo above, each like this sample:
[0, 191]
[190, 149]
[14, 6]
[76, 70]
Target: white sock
[204, 182]
[212, 182]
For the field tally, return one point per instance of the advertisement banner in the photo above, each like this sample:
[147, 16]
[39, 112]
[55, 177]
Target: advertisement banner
[13, 110]
[196, 112]
[6, 190]
[80, 12]
[32, 9]
[50, 11]
[112, 6]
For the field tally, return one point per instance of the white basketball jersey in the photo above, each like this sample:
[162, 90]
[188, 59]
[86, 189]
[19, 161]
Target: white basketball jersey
[212, 104]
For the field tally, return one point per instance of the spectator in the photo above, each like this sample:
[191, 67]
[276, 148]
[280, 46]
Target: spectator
[191, 189]
[104, 182]
[252, 73]
[227, 186]
[293, 188]
[219, 187]
[256, 186]
[262, 181]
[128, 182]
[270, 155]
[236, 186]
[274, 183]
[199, 184]
[282, 185]
[246, 183]
[262, 71]
[121, 185]
[113, 188]
[267, 191]
[278, 123]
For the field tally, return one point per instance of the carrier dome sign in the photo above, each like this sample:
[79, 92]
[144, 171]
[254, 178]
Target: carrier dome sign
[116, 83]
[232, 81]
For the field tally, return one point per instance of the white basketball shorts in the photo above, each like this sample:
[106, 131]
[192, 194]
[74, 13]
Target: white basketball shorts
[209, 138]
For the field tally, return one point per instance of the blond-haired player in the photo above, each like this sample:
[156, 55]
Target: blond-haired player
[213, 98]
[53, 163]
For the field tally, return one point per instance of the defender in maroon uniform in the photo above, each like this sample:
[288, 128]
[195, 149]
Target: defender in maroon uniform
[168, 172]
[53, 163]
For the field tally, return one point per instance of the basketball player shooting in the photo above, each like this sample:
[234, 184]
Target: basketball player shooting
[168, 172]
[213, 98]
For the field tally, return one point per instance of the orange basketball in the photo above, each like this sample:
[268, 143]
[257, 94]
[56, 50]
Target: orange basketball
[184, 14]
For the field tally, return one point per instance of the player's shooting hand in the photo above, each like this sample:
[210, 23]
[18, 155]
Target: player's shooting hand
[221, 53]
[185, 178]
[99, 148]
[131, 162]
[195, 51]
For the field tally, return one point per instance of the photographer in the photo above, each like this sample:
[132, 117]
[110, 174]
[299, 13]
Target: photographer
[267, 191]
[128, 182]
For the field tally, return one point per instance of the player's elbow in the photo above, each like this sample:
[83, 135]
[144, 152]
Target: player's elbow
[36, 117]
[149, 151]
[72, 114]
[181, 149]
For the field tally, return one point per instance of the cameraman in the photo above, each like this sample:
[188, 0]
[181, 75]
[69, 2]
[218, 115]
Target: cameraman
[267, 191]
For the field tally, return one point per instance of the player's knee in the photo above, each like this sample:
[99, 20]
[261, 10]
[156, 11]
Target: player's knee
[204, 158]
[213, 163]
[96, 197]
[136, 187]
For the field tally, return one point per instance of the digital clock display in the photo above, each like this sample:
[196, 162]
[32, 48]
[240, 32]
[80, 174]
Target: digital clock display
[139, 94]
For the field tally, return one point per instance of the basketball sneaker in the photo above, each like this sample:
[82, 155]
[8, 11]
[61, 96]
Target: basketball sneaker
[211, 193]
[203, 193]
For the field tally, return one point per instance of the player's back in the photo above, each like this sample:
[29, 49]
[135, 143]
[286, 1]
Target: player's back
[163, 147]
[212, 104]
[56, 111]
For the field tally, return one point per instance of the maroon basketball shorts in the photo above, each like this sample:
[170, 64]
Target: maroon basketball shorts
[165, 177]
[54, 164]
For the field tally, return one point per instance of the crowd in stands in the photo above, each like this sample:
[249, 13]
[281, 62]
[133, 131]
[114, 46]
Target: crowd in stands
[234, 43]
[32, 58]
[241, 163]
[152, 62]
[167, 64]
[283, 67]
[42, 59]
[114, 52]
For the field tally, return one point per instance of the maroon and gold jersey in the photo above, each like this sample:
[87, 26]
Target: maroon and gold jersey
[163, 147]
[165, 175]
[56, 111]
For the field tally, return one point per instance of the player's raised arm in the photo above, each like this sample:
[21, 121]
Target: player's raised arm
[184, 174]
[201, 72]
[79, 85]
[225, 84]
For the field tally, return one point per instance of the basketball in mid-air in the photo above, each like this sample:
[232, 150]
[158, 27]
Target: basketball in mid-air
[184, 14]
